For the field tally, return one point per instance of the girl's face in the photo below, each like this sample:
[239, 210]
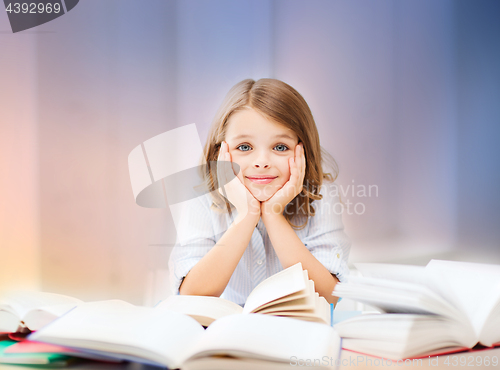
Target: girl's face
[262, 148]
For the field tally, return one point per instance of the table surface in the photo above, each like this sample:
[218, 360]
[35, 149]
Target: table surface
[348, 360]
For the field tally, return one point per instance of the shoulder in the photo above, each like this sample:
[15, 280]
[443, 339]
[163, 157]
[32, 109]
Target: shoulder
[206, 201]
[206, 208]
[192, 211]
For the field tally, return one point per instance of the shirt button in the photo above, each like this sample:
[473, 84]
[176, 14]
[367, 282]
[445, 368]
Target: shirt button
[259, 262]
[338, 255]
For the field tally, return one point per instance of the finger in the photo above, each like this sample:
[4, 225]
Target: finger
[238, 172]
[303, 157]
[228, 163]
[297, 158]
[229, 158]
[222, 168]
[228, 168]
[303, 168]
[300, 159]
[303, 160]
[294, 175]
[233, 169]
[221, 151]
[297, 178]
[225, 159]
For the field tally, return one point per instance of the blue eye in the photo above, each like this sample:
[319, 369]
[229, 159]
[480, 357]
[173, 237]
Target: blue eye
[244, 146]
[283, 148]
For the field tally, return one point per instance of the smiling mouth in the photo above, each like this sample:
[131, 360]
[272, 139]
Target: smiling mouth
[261, 179]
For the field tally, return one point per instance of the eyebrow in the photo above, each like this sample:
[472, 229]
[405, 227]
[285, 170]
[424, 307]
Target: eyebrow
[281, 136]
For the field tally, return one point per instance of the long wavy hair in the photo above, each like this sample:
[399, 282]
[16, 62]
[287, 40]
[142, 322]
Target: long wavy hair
[281, 103]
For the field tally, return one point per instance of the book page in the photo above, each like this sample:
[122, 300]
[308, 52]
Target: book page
[401, 335]
[124, 331]
[38, 318]
[319, 313]
[9, 322]
[302, 300]
[473, 287]
[21, 302]
[295, 305]
[268, 338]
[302, 315]
[324, 309]
[209, 308]
[395, 296]
[230, 363]
[289, 298]
[288, 281]
[402, 273]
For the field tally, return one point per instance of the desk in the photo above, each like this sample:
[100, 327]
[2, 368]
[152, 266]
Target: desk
[348, 360]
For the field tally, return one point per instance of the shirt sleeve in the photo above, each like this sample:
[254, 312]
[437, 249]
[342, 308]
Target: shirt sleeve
[195, 237]
[326, 239]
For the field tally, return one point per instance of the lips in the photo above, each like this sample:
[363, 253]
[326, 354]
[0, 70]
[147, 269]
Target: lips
[261, 179]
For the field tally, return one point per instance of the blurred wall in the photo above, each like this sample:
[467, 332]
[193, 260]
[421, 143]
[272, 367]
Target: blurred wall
[106, 83]
[478, 126]
[379, 77]
[19, 162]
[404, 95]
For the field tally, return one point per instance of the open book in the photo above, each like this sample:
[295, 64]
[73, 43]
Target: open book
[32, 310]
[158, 336]
[445, 306]
[287, 293]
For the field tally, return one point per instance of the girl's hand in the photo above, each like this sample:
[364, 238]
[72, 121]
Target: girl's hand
[275, 205]
[233, 188]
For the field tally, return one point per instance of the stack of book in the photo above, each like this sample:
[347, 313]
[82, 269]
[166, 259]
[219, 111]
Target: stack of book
[24, 312]
[441, 308]
[284, 318]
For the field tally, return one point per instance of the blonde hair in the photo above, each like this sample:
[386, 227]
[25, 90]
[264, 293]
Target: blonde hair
[281, 103]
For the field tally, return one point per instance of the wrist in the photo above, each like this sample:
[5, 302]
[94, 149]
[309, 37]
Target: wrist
[272, 210]
[271, 216]
[248, 218]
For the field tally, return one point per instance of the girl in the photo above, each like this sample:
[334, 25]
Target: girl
[279, 209]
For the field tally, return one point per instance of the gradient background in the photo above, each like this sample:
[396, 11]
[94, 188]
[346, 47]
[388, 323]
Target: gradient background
[406, 96]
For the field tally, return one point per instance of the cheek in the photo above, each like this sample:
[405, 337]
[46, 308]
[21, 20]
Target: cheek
[285, 167]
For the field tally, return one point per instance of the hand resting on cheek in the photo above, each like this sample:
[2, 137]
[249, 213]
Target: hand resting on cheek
[234, 190]
[277, 203]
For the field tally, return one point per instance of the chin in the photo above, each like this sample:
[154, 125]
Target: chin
[261, 198]
[263, 194]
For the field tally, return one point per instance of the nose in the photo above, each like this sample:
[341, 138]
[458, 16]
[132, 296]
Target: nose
[261, 161]
[261, 165]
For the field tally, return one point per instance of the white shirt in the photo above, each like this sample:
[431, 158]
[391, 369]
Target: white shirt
[200, 228]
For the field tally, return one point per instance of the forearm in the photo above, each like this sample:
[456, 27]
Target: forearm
[290, 250]
[211, 274]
